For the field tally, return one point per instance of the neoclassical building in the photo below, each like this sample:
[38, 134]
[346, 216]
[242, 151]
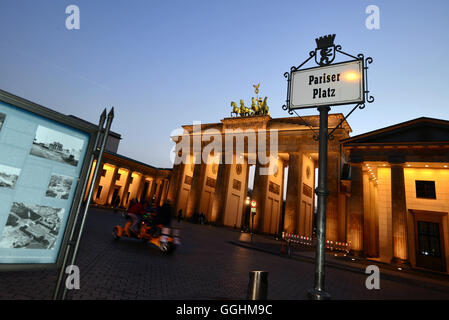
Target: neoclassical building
[389, 189]
[398, 193]
[124, 179]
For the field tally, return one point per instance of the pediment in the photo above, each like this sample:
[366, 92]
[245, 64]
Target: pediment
[421, 130]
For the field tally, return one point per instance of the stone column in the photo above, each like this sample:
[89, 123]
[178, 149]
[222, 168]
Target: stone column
[140, 188]
[158, 191]
[124, 203]
[97, 182]
[112, 186]
[333, 182]
[177, 185]
[293, 192]
[194, 200]
[355, 214]
[221, 192]
[399, 214]
[165, 187]
[173, 183]
[371, 232]
[152, 189]
[260, 191]
[281, 217]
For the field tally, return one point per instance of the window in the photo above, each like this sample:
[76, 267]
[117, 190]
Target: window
[425, 189]
[429, 239]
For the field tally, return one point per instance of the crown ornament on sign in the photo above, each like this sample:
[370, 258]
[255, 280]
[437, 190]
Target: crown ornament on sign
[325, 41]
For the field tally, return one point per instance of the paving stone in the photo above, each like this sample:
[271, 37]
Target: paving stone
[206, 266]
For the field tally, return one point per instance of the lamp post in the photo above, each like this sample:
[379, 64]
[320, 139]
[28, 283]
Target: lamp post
[322, 192]
[253, 213]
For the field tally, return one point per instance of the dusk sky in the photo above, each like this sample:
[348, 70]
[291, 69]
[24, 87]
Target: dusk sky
[163, 64]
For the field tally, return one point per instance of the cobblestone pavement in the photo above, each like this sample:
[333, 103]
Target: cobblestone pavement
[206, 266]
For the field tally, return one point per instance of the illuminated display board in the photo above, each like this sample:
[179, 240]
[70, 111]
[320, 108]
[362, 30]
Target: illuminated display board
[42, 164]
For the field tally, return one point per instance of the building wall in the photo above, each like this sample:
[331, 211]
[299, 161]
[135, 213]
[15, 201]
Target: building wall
[441, 178]
[440, 204]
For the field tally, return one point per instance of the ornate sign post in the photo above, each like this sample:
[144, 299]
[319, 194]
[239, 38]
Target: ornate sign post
[329, 84]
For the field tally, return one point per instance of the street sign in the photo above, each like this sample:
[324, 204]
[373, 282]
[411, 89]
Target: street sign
[321, 87]
[253, 211]
[336, 84]
[253, 204]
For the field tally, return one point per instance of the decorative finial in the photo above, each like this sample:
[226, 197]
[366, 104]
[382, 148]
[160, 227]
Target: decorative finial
[256, 87]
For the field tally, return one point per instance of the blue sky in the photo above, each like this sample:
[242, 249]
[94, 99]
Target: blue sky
[162, 64]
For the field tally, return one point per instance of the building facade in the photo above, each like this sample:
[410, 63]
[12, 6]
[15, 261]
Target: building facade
[398, 193]
[123, 179]
[389, 189]
[206, 183]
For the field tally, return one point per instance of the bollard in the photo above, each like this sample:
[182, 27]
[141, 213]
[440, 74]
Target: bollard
[258, 285]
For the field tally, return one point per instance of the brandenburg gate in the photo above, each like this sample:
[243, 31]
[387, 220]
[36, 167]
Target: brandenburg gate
[215, 183]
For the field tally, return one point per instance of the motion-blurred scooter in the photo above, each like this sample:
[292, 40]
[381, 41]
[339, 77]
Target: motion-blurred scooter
[164, 238]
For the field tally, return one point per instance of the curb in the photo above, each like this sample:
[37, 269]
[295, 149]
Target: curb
[386, 274]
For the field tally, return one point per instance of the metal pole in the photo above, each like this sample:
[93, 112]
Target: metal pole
[91, 190]
[252, 226]
[83, 192]
[322, 192]
[258, 285]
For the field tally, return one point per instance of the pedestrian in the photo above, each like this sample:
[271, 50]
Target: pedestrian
[116, 204]
[179, 215]
[136, 212]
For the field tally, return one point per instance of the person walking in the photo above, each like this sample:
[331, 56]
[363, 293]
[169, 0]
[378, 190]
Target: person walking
[116, 203]
[179, 215]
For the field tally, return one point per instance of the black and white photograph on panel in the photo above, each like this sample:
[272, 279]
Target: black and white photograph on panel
[59, 187]
[31, 227]
[2, 120]
[57, 146]
[8, 176]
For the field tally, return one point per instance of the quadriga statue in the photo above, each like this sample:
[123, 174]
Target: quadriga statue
[244, 111]
[235, 109]
[258, 107]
